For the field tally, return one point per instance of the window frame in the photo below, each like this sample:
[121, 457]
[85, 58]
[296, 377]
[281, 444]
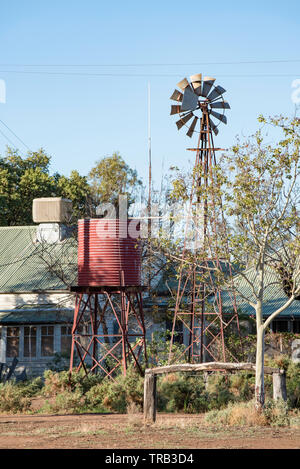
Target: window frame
[57, 342]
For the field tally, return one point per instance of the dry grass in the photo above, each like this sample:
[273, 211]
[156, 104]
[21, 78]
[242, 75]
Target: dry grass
[243, 414]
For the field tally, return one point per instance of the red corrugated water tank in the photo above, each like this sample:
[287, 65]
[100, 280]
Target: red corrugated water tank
[106, 249]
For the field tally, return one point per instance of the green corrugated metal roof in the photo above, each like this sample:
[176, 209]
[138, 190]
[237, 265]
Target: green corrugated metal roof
[274, 296]
[27, 266]
[36, 316]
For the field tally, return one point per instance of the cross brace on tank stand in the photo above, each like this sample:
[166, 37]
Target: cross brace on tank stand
[93, 348]
[206, 264]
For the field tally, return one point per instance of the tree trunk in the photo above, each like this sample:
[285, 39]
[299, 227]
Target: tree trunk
[259, 371]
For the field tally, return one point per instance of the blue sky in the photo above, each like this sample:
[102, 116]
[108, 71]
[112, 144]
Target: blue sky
[77, 74]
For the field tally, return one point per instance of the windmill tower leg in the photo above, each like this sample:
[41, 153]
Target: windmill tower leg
[205, 321]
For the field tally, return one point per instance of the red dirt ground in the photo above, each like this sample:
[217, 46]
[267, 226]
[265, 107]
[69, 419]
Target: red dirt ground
[114, 431]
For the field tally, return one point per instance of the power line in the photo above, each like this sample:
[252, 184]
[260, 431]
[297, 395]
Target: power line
[241, 62]
[8, 139]
[147, 75]
[15, 135]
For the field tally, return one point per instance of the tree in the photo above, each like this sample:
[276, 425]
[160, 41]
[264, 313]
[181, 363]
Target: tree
[23, 179]
[255, 194]
[112, 177]
[262, 201]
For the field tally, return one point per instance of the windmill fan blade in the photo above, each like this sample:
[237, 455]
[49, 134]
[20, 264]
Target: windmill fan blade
[177, 96]
[220, 105]
[196, 81]
[219, 116]
[183, 84]
[214, 127]
[218, 91]
[184, 120]
[196, 77]
[207, 84]
[192, 127]
[175, 109]
[190, 100]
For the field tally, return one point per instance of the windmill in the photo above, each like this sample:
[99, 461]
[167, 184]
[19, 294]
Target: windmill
[199, 304]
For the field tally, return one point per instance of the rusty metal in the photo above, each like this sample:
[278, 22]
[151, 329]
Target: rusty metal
[177, 96]
[93, 348]
[192, 127]
[183, 84]
[109, 290]
[175, 109]
[105, 249]
[205, 328]
[183, 120]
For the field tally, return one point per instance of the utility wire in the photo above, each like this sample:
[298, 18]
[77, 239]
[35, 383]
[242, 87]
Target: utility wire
[156, 64]
[8, 139]
[15, 135]
[261, 75]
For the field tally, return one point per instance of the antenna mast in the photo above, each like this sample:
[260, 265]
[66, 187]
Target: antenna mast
[150, 187]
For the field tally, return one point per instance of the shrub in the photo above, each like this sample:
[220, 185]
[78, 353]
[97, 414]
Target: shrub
[219, 391]
[242, 386]
[180, 392]
[31, 388]
[116, 395]
[66, 402]
[12, 399]
[236, 414]
[293, 384]
[276, 413]
[58, 382]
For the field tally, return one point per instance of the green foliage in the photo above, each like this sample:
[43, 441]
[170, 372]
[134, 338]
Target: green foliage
[226, 394]
[116, 395]
[178, 392]
[58, 382]
[13, 399]
[31, 387]
[158, 348]
[23, 179]
[276, 413]
[66, 402]
[293, 384]
[112, 177]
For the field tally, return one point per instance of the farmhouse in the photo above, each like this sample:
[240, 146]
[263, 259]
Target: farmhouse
[275, 296]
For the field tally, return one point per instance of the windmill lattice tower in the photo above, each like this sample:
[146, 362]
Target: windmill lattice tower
[199, 304]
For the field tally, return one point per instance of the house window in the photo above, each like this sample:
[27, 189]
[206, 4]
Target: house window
[280, 326]
[66, 339]
[12, 342]
[47, 341]
[30, 341]
[296, 326]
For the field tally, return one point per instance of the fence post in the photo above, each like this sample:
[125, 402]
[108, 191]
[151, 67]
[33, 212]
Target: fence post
[150, 398]
[279, 385]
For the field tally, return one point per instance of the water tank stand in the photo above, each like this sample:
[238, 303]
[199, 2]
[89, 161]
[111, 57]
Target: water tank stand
[93, 348]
